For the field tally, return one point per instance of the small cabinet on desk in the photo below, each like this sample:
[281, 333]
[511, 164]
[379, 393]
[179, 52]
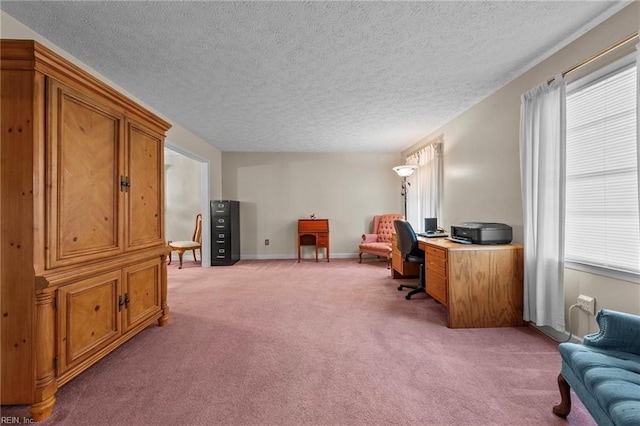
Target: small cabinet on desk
[313, 232]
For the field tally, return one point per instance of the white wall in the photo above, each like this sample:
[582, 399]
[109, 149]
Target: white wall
[482, 169]
[182, 196]
[179, 138]
[277, 189]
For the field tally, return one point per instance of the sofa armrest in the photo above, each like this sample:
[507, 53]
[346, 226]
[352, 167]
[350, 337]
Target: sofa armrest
[369, 238]
[619, 331]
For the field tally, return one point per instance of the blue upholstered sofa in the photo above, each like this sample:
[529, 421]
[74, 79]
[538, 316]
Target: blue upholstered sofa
[604, 371]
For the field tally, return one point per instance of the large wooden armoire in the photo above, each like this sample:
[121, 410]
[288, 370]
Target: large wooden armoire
[83, 251]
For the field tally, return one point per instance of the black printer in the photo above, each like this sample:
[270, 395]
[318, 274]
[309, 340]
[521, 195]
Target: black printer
[482, 233]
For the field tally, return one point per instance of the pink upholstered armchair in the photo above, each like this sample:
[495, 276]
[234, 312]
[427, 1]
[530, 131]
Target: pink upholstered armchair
[378, 243]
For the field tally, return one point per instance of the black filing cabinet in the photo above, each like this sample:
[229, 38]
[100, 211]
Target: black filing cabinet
[225, 232]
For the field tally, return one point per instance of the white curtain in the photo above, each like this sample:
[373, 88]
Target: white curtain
[424, 194]
[542, 166]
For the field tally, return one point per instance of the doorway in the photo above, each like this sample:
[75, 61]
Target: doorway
[186, 195]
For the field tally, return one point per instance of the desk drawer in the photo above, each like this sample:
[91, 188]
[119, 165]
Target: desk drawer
[435, 254]
[437, 287]
[440, 269]
[323, 240]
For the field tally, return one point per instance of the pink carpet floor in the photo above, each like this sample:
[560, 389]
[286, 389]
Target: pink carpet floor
[282, 343]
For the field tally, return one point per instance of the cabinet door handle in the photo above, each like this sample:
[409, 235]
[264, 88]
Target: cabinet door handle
[125, 184]
[120, 303]
[126, 300]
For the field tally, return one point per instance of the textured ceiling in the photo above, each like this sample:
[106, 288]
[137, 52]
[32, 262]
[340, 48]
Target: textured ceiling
[311, 76]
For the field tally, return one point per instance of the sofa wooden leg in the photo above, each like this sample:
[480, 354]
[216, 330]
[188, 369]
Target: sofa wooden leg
[360, 258]
[563, 409]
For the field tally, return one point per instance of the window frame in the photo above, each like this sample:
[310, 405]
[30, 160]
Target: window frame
[618, 66]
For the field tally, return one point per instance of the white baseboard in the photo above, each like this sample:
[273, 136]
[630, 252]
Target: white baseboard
[295, 256]
[557, 335]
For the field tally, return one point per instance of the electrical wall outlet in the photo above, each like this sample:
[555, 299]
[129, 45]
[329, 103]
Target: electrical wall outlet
[266, 242]
[587, 304]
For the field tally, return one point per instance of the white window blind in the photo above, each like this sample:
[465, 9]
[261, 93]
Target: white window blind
[601, 216]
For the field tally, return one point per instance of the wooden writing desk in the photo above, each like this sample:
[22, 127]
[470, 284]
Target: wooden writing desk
[480, 285]
[313, 232]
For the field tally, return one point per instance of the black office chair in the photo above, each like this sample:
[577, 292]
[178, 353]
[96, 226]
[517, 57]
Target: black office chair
[408, 245]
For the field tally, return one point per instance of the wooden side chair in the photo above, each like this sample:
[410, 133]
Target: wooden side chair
[194, 244]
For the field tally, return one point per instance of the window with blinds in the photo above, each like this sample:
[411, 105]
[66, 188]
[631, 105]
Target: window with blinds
[602, 222]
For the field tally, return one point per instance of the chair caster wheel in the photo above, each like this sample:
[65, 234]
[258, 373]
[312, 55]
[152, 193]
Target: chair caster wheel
[400, 288]
[407, 297]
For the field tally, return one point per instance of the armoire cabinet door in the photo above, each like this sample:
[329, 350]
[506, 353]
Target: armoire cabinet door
[141, 289]
[145, 157]
[84, 152]
[89, 317]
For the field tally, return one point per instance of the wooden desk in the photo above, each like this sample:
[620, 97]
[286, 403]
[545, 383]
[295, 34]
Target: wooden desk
[481, 285]
[313, 232]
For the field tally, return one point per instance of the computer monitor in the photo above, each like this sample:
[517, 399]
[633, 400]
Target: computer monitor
[430, 224]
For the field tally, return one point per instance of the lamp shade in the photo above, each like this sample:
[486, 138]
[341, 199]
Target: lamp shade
[406, 170]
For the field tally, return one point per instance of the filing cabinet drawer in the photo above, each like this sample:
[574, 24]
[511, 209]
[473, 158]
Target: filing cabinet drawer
[221, 253]
[220, 237]
[220, 224]
[220, 208]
